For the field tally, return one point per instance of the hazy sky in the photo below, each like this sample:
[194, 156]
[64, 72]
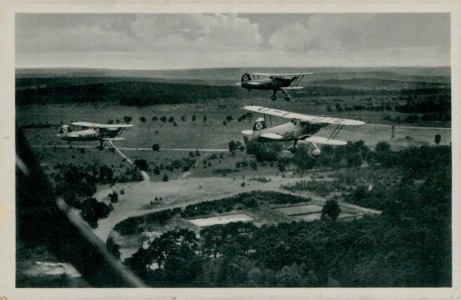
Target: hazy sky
[167, 41]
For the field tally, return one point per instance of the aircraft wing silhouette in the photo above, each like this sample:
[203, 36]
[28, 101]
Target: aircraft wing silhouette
[303, 117]
[281, 75]
[271, 136]
[97, 125]
[322, 141]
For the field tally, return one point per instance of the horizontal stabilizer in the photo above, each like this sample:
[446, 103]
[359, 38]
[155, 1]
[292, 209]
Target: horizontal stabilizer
[293, 88]
[113, 139]
[322, 141]
[247, 132]
[271, 136]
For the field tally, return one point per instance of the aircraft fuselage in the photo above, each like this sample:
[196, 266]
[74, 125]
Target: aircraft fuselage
[289, 131]
[82, 135]
[266, 84]
[92, 134]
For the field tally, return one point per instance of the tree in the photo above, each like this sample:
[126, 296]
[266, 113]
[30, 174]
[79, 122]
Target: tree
[331, 209]
[141, 164]
[171, 119]
[290, 276]
[139, 261]
[194, 118]
[165, 177]
[143, 119]
[232, 146]
[113, 197]
[106, 174]
[383, 147]
[437, 139]
[127, 119]
[156, 147]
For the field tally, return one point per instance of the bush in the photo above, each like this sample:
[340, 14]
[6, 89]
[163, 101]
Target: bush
[264, 152]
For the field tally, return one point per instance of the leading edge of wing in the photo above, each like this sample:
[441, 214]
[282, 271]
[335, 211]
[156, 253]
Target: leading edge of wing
[97, 125]
[303, 117]
[286, 74]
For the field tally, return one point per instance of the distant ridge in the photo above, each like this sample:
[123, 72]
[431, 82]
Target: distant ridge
[230, 76]
[47, 72]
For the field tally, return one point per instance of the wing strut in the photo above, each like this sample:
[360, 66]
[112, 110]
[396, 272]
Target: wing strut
[335, 132]
[297, 80]
[120, 132]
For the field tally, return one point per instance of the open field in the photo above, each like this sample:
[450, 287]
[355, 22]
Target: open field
[209, 134]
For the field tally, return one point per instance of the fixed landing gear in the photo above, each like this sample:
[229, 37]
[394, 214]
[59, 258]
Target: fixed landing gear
[293, 148]
[273, 98]
[287, 98]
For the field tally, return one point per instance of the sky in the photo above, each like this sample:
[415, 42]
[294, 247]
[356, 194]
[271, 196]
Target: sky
[185, 41]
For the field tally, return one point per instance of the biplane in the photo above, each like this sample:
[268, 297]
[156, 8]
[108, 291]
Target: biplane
[301, 129]
[274, 82]
[104, 133]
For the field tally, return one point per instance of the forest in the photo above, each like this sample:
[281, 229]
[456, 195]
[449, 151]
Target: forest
[408, 245]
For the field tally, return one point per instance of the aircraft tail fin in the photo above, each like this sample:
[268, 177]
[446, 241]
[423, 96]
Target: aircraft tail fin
[245, 77]
[260, 124]
[65, 129]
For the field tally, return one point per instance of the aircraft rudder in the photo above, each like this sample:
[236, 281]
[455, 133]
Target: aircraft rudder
[260, 124]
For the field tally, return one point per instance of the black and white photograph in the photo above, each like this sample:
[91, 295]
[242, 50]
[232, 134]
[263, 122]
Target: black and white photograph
[284, 152]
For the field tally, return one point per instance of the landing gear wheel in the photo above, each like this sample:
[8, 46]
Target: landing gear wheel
[293, 149]
[273, 98]
[100, 147]
[287, 98]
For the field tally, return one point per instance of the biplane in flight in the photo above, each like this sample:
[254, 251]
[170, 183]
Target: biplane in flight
[274, 82]
[301, 129]
[104, 133]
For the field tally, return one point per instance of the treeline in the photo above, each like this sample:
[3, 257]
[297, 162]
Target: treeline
[138, 93]
[130, 93]
[238, 202]
[371, 252]
[76, 184]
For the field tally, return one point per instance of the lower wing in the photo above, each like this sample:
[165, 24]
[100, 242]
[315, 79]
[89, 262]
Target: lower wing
[271, 136]
[322, 141]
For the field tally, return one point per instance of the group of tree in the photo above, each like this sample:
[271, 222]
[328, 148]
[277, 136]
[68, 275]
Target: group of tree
[264, 151]
[409, 244]
[92, 210]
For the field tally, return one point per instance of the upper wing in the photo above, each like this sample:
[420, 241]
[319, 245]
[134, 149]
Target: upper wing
[281, 75]
[311, 119]
[96, 125]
